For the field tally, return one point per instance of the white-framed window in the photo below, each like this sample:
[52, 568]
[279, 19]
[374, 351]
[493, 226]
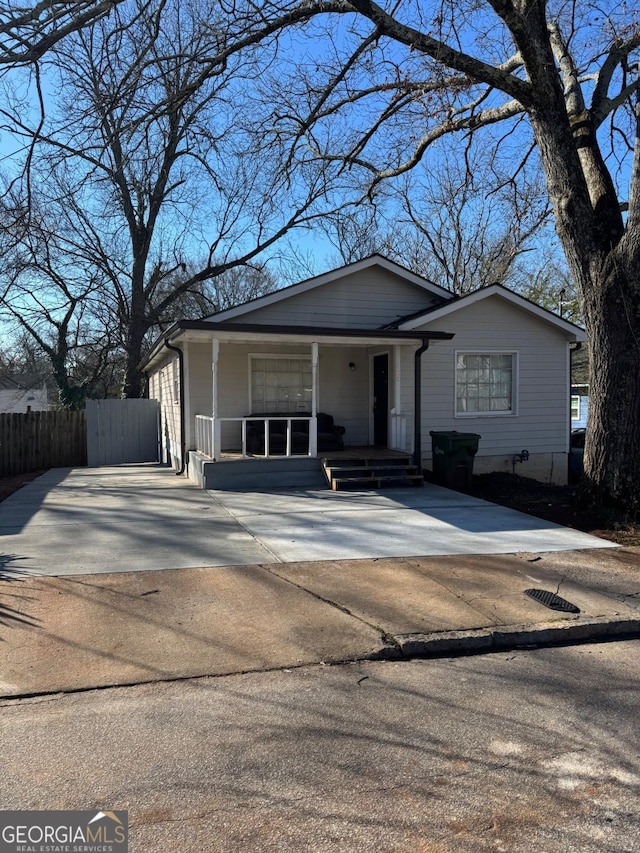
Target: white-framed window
[575, 408]
[280, 383]
[175, 376]
[486, 383]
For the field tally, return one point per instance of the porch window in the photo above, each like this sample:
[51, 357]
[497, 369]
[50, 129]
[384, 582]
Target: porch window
[485, 383]
[280, 383]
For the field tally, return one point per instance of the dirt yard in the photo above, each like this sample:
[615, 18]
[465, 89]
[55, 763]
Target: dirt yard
[558, 504]
[9, 485]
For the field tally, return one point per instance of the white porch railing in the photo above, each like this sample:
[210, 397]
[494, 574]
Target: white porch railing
[209, 435]
[204, 435]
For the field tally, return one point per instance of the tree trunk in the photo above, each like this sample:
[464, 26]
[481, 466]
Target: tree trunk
[137, 329]
[137, 325]
[605, 263]
[612, 319]
[133, 377]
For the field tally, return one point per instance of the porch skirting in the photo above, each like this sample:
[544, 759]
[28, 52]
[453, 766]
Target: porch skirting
[238, 473]
[255, 474]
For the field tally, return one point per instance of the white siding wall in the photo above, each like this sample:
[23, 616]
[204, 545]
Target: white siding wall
[199, 388]
[345, 393]
[163, 387]
[406, 389]
[541, 425]
[342, 393]
[22, 400]
[366, 299]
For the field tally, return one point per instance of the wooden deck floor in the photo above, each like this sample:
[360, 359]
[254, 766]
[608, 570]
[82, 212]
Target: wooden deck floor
[348, 453]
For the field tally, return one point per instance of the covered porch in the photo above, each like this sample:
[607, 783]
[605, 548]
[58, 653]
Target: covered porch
[254, 392]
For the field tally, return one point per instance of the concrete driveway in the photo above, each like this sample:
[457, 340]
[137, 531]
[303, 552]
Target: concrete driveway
[144, 517]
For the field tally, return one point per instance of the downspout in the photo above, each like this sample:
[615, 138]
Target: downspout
[417, 405]
[182, 423]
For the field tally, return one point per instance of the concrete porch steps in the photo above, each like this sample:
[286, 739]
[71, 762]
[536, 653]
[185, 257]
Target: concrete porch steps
[365, 473]
[346, 471]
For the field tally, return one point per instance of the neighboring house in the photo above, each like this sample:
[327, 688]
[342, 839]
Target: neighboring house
[579, 406]
[18, 394]
[389, 355]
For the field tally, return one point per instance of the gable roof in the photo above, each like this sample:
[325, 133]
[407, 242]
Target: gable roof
[436, 313]
[333, 275]
[20, 382]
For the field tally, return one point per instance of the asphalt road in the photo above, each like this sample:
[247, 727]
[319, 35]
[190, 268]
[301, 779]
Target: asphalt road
[535, 750]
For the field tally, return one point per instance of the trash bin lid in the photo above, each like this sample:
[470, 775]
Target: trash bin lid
[454, 434]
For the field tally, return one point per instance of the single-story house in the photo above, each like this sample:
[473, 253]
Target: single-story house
[579, 406]
[368, 355]
[20, 394]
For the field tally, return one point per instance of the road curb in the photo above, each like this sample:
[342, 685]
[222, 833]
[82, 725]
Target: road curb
[507, 637]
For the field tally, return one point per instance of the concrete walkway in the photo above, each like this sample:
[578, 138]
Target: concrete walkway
[140, 518]
[125, 575]
[401, 522]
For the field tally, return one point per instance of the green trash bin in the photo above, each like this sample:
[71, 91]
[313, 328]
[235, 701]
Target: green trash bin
[452, 454]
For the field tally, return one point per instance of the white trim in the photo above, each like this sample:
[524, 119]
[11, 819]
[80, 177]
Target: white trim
[515, 383]
[307, 356]
[314, 378]
[576, 398]
[313, 425]
[397, 381]
[568, 412]
[326, 278]
[575, 332]
[189, 437]
[175, 381]
[216, 440]
[398, 421]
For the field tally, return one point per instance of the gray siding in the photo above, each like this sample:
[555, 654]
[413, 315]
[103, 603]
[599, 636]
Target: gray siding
[541, 424]
[367, 299]
[198, 365]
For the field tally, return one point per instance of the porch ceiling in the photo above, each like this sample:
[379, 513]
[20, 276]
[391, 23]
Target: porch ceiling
[243, 337]
[200, 330]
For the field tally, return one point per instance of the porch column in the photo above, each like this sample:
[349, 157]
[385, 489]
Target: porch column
[398, 436]
[313, 426]
[215, 426]
[417, 404]
[189, 437]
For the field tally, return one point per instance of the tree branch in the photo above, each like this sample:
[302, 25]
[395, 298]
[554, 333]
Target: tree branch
[601, 104]
[28, 33]
[492, 75]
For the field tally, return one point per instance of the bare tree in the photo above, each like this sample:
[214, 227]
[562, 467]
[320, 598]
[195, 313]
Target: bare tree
[149, 160]
[204, 298]
[28, 31]
[373, 90]
[473, 224]
[462, 225]
[555, 82]
[56, 301]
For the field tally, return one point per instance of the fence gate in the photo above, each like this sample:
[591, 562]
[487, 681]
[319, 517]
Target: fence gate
[121, 431]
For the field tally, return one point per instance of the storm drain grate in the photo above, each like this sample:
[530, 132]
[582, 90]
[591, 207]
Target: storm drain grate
[550, 599]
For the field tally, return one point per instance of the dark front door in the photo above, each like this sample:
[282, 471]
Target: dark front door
[381, 400]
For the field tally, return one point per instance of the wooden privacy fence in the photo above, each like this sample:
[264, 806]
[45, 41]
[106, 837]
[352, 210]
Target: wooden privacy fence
[39, 440]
